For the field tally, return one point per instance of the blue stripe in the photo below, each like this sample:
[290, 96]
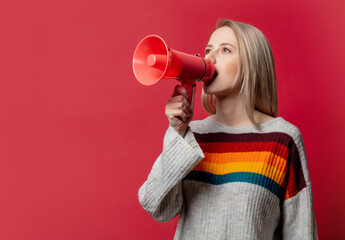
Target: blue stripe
[248, 177]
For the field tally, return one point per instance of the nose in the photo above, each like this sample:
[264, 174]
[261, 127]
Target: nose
[211, 56]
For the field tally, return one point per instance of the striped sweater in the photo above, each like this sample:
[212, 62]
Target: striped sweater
[233, 182]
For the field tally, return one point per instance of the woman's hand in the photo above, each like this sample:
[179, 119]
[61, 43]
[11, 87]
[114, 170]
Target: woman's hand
[178, 110]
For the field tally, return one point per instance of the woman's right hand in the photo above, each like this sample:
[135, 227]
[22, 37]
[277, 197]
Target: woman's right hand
[178, 110]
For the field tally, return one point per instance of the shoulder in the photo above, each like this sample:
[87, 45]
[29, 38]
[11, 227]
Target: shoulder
[290, 132]
[284, 126]
[297, 151]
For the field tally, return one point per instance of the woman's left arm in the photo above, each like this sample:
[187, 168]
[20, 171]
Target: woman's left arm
[298, 215]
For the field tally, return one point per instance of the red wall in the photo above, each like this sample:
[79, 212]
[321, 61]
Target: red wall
[79, 134]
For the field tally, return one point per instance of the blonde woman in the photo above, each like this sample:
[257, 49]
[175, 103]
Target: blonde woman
[242, 172]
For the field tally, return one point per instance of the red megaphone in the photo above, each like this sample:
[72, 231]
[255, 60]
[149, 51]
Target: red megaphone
[153, 61]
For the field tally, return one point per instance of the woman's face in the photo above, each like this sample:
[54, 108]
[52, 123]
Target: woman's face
[222, 51]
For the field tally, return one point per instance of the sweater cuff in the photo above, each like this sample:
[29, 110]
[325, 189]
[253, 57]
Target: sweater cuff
[188, 143]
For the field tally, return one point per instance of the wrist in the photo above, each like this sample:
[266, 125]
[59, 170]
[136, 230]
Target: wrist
[181, 131]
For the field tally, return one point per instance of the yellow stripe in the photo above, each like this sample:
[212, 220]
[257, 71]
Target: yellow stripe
[261, 156]
[254, 167]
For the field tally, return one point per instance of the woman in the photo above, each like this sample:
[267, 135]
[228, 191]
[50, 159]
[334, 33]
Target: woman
[242, 172]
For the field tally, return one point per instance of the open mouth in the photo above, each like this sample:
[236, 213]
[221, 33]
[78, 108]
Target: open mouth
[212, 79]
[214, 76]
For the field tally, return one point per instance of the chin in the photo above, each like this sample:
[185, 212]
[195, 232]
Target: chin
[210, 87]
[207, 89]
[220, 92]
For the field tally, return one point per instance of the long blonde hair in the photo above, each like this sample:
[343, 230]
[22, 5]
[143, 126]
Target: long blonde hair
[256, 73]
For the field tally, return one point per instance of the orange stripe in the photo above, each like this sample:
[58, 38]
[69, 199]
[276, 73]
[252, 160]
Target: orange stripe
[266, 157]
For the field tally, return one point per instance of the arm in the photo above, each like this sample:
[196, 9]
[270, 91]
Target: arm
[298, 216]
[161, 194]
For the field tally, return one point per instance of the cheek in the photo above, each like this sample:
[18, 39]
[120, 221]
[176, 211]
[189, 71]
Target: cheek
[231, 68]
[229, 64]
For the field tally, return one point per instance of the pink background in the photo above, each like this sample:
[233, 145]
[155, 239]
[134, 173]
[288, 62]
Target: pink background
[79, 134]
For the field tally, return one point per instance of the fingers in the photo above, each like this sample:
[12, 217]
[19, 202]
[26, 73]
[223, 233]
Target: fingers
[177, 113]
[180, 102]
[180, 94]
[178, 106]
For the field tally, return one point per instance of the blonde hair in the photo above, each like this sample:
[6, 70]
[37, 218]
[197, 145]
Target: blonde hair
[256, 74]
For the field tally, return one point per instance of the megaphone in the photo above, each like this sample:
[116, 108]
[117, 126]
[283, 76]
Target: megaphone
[153, 61]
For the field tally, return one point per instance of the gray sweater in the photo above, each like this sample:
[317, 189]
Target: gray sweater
[233, 183]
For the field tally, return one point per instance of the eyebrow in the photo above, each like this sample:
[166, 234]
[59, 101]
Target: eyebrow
[222, 44]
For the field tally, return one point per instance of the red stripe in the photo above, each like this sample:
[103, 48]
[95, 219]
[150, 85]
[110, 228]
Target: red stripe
[223, 147]
[295, 181]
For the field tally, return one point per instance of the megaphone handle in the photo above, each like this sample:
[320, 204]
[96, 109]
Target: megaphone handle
[189, 87]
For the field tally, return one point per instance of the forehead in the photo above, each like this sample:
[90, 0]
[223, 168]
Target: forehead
[223, 35]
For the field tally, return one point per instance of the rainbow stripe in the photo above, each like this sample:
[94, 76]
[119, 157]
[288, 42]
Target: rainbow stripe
[270, 160]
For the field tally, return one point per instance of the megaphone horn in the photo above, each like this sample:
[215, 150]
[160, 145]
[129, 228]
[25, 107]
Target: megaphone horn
[153, 61]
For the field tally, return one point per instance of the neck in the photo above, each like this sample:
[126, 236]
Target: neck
[231, 111]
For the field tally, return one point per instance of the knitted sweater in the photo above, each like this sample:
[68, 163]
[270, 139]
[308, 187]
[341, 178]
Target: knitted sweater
[233, 183]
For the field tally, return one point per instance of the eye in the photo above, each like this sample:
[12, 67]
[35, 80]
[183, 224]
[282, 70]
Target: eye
[207, 51]
[226, 50]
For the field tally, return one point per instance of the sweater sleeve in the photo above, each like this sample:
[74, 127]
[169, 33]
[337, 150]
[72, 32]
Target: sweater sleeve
[298, 216]
[161, 194]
